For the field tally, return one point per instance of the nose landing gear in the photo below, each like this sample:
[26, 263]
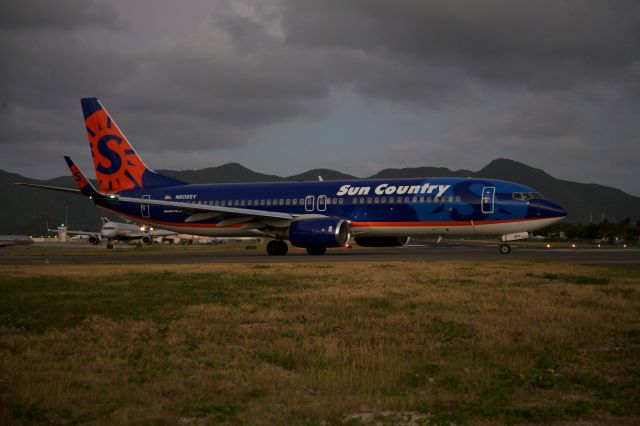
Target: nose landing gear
[505, 248]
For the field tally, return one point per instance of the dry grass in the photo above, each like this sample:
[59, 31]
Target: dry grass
[311, 343]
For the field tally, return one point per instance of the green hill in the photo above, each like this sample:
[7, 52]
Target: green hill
[27, 210]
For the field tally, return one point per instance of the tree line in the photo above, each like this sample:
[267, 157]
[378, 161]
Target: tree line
[607, 231]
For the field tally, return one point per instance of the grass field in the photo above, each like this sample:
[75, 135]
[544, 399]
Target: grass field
[348, 343]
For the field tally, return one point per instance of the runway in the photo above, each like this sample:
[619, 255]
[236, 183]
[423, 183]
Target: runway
[628, 257]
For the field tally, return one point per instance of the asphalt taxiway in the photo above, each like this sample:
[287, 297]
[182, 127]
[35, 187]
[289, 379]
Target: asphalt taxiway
[629, 257]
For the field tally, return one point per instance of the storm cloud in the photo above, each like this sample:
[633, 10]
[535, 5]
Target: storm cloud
[553, 84]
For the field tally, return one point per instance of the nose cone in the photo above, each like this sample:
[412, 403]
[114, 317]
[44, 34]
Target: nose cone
[110, 233]
[543, 209]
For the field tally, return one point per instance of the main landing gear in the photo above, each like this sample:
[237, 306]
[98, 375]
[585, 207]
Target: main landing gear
[505, 248]
[277, 248]
[316, 251]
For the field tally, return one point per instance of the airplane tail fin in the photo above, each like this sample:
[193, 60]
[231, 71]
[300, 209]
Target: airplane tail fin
[117, 165]
[83, 183]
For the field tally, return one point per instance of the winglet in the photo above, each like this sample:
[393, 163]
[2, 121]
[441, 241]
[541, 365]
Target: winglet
[83, 183]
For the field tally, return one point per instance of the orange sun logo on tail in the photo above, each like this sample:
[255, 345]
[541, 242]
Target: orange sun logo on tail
[117, 165]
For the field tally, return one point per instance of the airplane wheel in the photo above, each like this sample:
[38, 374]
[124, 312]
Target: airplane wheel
[316, 251]
[277, 248]
[505, 248]
[109, 246]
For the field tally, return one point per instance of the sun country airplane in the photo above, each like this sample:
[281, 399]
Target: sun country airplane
[313, 215]
[119, 231]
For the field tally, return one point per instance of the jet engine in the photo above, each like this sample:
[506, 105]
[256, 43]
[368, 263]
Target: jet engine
[147, 240]
[94, 239]
[381, 241]
[321, 232]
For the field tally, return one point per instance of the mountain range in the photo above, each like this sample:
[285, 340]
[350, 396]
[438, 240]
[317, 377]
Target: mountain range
[29, 210]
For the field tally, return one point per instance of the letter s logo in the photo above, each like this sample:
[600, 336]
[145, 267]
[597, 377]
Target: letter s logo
[109, 154]
[343, 190]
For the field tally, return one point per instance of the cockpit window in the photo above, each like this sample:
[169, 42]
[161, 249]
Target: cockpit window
[526, 195]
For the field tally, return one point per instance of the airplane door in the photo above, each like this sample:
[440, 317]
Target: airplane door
[144, 208]
[488, 196]
[308, 203]
[322, 203]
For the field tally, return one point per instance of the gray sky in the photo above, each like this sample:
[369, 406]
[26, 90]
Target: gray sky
[283, 86]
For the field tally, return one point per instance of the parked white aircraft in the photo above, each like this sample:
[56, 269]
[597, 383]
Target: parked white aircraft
[119, 231]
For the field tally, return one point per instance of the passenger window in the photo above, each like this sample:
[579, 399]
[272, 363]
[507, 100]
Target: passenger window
[287, 201]
[429, 199]
[406, 200]
[340, 200]
[458, 198]
[242, 203]
[422, 199]
[281, 201]
[369, 200]
[399, 200]
[222, 203]
[268, 202]
[383, 200]
[415, 199]
[436, 199]
[451, 198]
[308, 203]
[392, 200]
[362, 200]
[354, 201]
[335, 201]
[376, 200]
[294, 201]
[322, 203]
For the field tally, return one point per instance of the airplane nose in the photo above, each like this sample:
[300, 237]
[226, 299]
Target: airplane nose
[545, 209]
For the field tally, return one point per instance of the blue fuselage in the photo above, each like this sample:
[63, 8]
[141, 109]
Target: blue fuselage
[374, 207]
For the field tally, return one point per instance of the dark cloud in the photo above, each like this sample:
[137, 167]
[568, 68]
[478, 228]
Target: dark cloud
[58, 15]
[539, 44]
[539, 82]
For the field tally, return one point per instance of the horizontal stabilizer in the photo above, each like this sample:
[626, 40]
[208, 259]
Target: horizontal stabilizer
[53, 188]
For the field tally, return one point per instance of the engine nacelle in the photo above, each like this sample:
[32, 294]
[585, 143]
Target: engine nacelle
[147, 240]
[381, 241]
[94, 239]
[321, 232]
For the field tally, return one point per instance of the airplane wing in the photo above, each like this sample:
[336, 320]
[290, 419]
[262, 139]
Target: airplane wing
[161, 233]
[153, 234]
[198, 212]
[87, 233]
